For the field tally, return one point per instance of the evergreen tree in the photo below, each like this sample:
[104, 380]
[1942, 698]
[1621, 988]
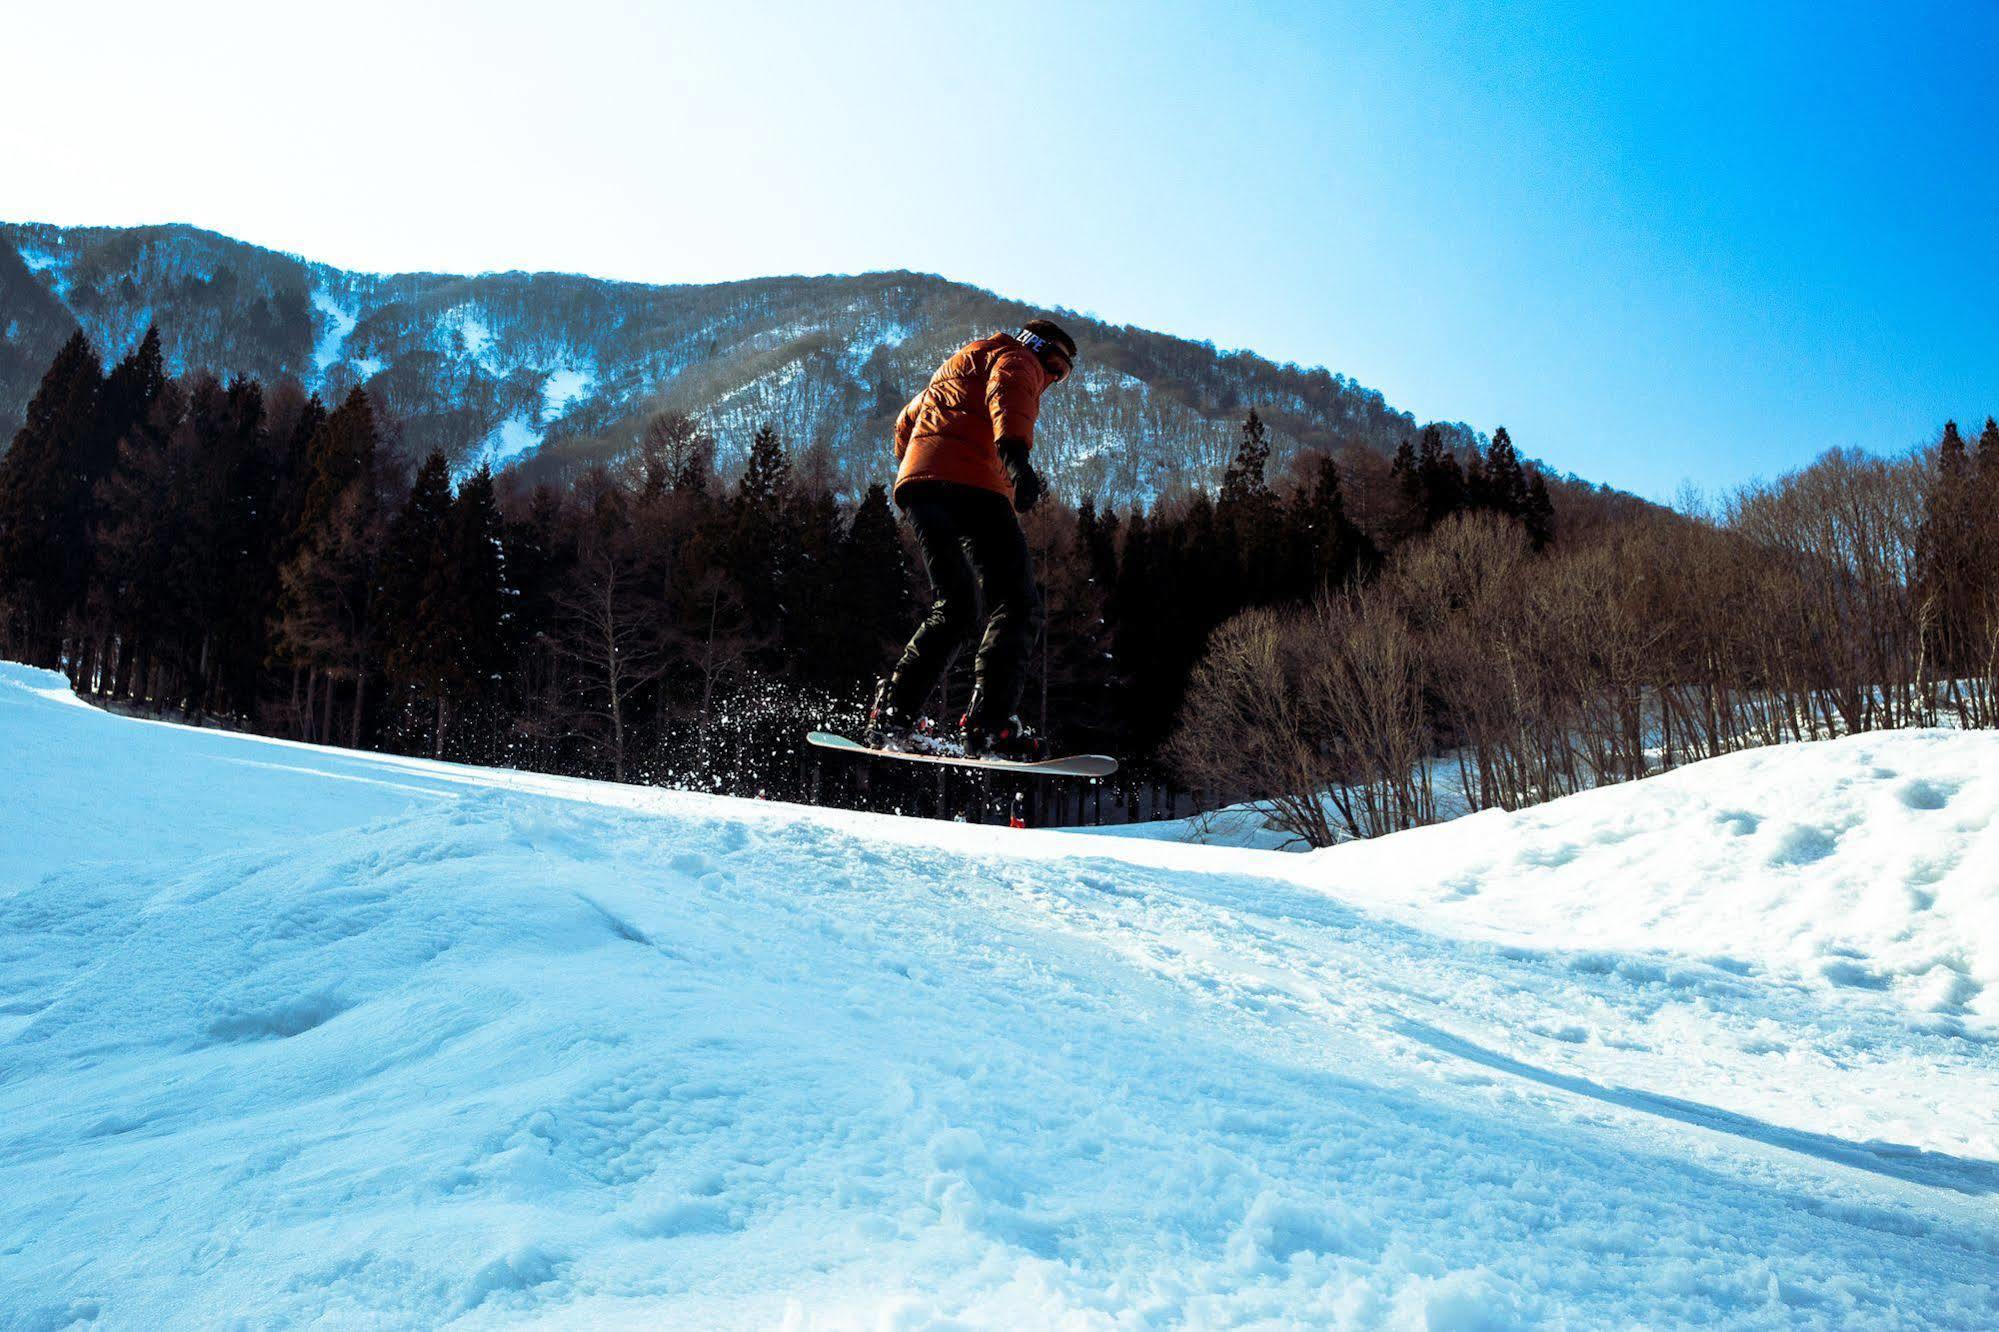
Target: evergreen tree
[1440, 479]
[329, 584]
[764, 542]
[1068, 685]
[766, 474]
[1101, 546]
[248, 533]
[476, 596]
[142, 510]
[1403, 468]
[1410, 510]
[1244, 480]
[1252, 546]
[1953, 458]
[129, 391]
[1538, 513]
[124, 404]
[1505, 479]
[1478, 489]
[1946, 572]
[1328, 549]
[876, 582]
[415, 606]
[297, 474]
[46, 500]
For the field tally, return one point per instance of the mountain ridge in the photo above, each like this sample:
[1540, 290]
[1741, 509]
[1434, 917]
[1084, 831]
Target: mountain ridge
[551, 371]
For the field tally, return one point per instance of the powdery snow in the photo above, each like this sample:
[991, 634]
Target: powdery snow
[563, 387]
[340, 322]
[506, 443]
[296, 1034]
[471, 335]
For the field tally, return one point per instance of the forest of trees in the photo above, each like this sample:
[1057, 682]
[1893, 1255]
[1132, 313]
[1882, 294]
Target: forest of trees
[1484, 667]
[1339, 641]
[258, 558]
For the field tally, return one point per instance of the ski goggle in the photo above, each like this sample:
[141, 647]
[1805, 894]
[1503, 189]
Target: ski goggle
[1043, 348]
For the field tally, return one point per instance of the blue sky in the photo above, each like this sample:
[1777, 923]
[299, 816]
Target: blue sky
[1659, 243]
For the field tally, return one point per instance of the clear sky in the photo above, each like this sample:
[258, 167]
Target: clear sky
[1658, 242]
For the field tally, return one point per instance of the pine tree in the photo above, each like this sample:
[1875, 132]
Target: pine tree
[1329, 550]
[1945, 561]
[764, 544]
[1505, 479]
[1101, 546]
[1244, 480]
[1478, 490]
[129, 390]
[875, 572]
[124, 403]
[1069, 684]
[329, 584]
[1952, 456]
[250, 473]
[1403, 468]
[297, 472]
[478, 599]
[766, 474]
[1538, 513]
[1252, 546]
[142, 509]
[1410, 513]
[205, 448]
[1439, 477]
[415, 606]
[46, 499]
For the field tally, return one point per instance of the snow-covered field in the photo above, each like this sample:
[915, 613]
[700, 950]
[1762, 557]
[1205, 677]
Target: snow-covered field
[295, 1035]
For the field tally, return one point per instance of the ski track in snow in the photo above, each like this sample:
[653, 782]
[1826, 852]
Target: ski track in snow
[291, 1034]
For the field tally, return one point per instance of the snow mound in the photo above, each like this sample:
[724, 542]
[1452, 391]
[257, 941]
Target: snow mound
[292, 1035]
[1869, 863]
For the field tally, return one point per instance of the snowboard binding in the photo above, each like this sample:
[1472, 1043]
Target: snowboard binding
[1010, 739]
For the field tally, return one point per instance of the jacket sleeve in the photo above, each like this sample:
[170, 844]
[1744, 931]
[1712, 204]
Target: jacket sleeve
[1013, 393]
[904, 423]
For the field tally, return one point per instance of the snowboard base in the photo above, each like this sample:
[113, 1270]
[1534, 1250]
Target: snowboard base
[1073, 765]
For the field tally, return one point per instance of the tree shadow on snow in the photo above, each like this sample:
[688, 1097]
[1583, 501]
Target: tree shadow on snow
[1913, 1165]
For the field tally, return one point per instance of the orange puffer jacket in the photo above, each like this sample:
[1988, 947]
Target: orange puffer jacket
[988, 390]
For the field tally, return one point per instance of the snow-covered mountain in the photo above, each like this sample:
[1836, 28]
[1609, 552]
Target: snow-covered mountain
[510, 367]
[293, 1035]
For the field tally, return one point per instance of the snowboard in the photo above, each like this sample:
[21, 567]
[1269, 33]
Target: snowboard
[1074, 765]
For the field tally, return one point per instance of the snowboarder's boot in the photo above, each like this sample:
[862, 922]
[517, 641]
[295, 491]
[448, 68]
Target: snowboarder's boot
[888, 727]
[1007, 738]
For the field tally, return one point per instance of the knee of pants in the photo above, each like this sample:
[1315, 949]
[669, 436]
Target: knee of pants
[1019, 612]
[954, 618]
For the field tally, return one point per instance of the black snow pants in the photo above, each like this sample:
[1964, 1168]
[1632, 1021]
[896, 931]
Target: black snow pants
[974, 552]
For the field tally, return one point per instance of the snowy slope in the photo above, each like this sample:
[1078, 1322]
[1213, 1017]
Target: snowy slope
[293, 1035]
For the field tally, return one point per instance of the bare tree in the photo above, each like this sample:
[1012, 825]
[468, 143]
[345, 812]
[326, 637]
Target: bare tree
[611, 633]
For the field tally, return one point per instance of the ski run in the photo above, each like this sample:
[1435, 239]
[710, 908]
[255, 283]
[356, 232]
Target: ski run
[292, 1035]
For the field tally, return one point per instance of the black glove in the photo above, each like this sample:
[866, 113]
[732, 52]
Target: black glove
[1026, 481]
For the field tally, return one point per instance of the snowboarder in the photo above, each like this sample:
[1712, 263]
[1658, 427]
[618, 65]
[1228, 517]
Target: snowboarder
[961, 448]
